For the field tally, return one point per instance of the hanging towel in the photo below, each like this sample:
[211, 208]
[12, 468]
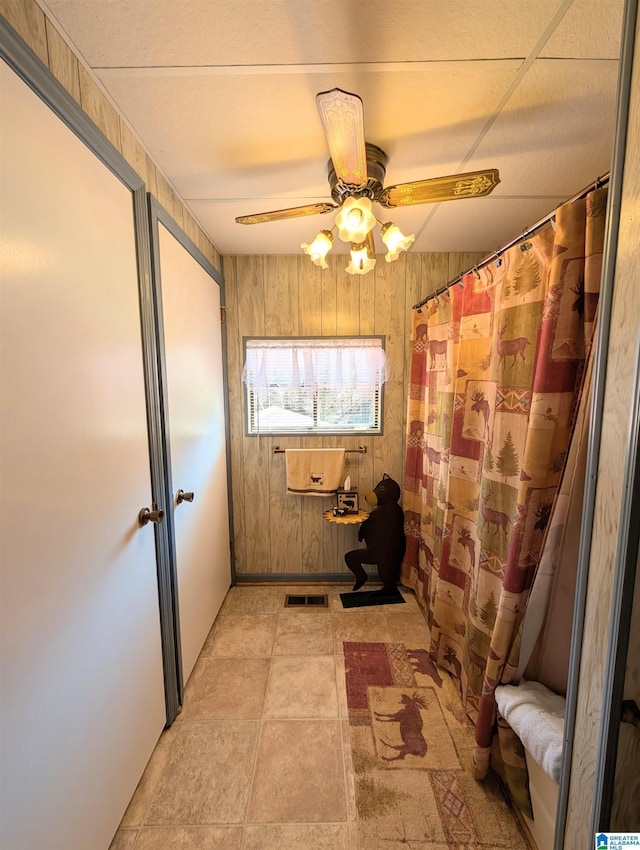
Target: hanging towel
[314, 472]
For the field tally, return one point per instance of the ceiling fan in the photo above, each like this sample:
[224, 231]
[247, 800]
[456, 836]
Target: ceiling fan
[356, 174]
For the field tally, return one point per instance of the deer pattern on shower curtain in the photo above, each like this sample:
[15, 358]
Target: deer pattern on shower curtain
[495, 374]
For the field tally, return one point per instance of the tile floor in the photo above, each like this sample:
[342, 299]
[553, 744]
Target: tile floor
[259, 757]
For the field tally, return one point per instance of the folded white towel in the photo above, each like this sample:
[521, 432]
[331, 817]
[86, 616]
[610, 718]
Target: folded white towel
[536, 715]
[314, 472]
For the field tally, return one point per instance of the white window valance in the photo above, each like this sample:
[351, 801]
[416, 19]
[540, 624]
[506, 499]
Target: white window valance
[339, 363]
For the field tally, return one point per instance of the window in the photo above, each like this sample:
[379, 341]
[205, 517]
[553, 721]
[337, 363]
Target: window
[328, 385]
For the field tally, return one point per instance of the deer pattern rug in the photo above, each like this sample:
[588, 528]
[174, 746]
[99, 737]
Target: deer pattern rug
[411, 745]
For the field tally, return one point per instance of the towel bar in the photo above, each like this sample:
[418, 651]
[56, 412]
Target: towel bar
[362, 450]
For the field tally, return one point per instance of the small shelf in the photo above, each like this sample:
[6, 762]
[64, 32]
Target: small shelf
[347, 519]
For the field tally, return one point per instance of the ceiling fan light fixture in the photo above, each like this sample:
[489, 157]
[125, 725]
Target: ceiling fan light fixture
[361, 260]
[355, 220]
[319, 248]
[395, 241]
[356, 173]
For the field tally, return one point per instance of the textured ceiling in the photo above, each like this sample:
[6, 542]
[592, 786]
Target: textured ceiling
[221, 93]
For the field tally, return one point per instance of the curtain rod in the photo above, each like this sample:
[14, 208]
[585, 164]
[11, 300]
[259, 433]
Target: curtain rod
[530, 231]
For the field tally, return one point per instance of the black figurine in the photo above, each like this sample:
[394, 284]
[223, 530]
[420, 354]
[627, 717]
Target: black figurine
[383, 533]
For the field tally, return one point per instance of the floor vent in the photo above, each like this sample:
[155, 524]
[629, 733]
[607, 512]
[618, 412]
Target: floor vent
[315, 601]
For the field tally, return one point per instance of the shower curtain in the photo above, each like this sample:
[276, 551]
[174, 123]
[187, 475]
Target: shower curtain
[495, 377]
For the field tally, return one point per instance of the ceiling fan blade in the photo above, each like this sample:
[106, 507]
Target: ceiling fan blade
[281, 215]
[342, 119]
[472, 184]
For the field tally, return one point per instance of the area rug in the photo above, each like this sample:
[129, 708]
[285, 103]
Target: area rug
[411, 745]
[365, 598]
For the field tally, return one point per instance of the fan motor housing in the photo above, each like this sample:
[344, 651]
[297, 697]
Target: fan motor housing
[376, 170]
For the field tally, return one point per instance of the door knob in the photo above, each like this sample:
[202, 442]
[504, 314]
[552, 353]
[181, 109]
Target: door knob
[150, 515]
[181, 497]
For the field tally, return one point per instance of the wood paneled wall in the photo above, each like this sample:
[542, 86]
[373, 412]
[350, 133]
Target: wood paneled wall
[622, 359]
[276, 534]
[34, 27]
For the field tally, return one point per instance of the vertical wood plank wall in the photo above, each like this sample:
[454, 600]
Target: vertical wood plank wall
[42, 36]
[274, 533]
[622, 358]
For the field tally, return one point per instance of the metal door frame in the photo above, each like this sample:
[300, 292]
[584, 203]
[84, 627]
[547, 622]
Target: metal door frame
[158, 215]
[630, 509]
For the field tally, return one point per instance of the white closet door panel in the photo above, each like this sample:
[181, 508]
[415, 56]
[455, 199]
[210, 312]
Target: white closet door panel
[82, 693]
[193, 351]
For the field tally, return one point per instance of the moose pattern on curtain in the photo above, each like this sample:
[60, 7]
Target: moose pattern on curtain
[495, 375]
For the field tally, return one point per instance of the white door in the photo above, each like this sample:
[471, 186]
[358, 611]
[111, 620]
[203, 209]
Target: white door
[82, 696]
[193, 352]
